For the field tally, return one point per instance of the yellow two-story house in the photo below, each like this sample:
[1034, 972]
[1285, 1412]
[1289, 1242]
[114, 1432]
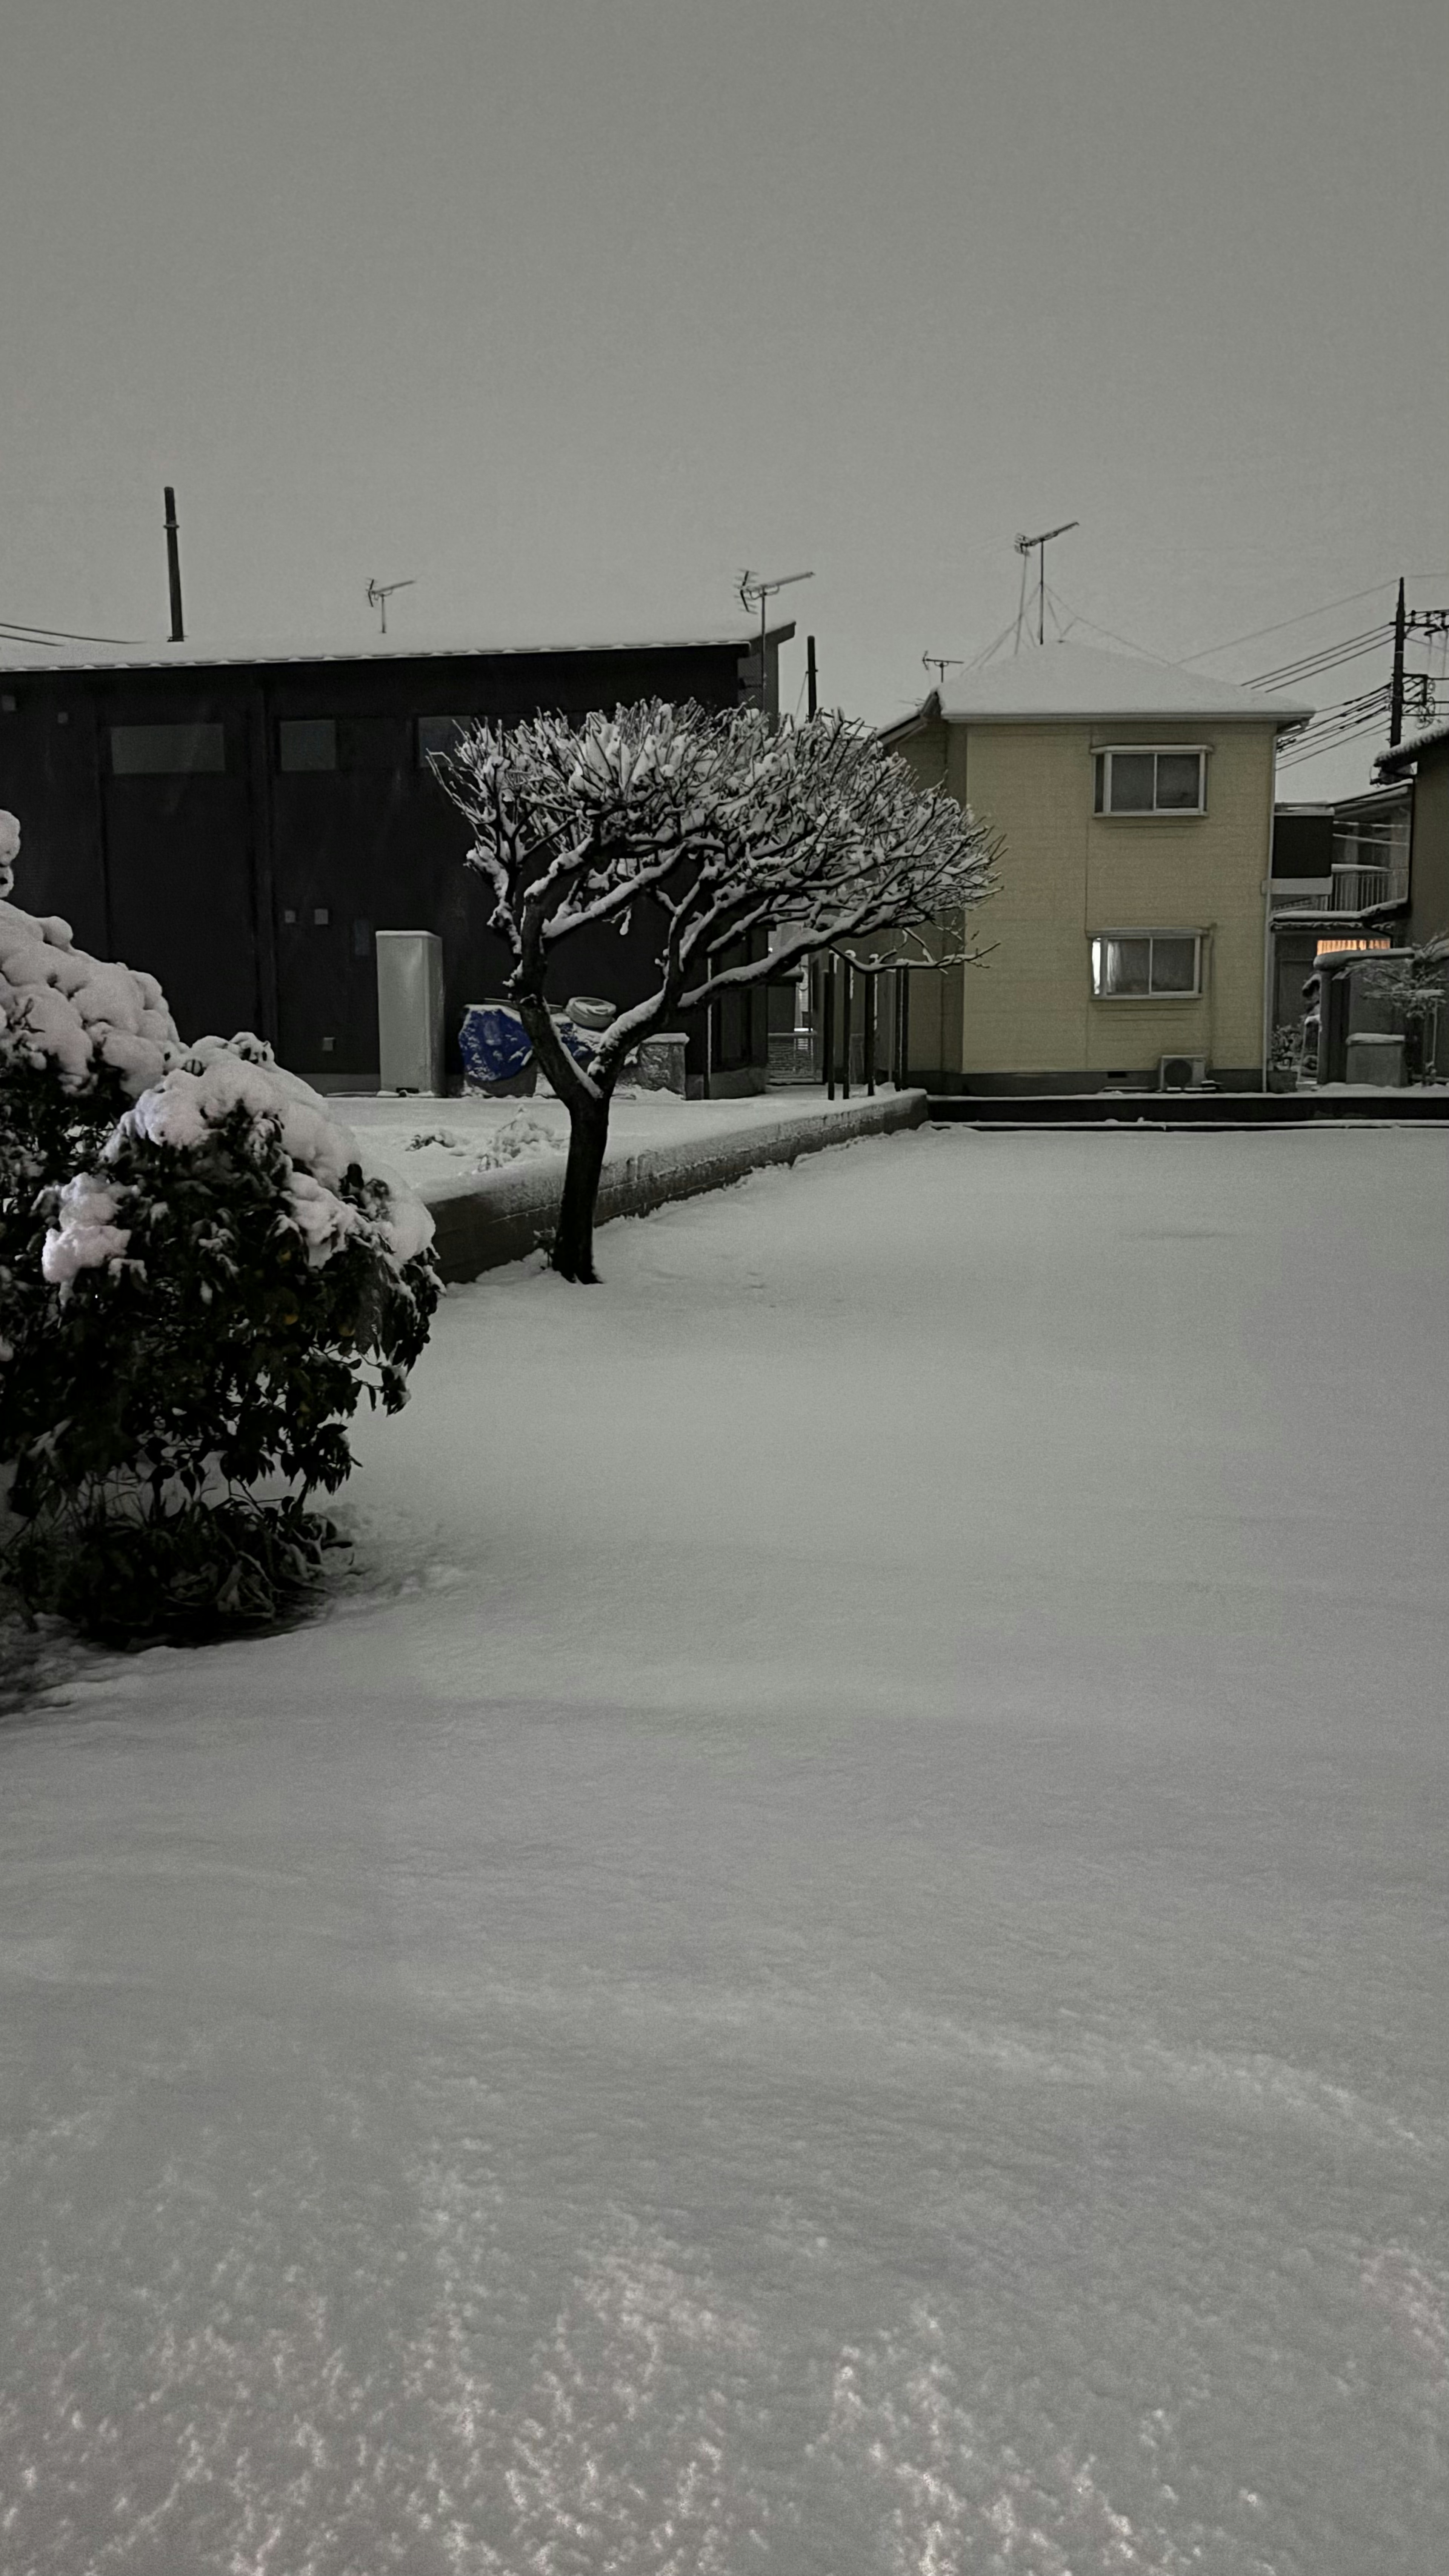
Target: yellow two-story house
[1133, 805]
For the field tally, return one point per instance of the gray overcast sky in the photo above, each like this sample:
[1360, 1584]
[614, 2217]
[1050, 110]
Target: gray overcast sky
[572, 308]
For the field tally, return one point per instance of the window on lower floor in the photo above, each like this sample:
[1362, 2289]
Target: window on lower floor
[1166, 780]
[1146, 965]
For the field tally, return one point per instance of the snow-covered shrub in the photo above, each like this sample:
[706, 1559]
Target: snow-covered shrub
[200, 1277]
[78, 1040]
[1415, 988]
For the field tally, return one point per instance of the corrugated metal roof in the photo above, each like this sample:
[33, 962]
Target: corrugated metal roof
[275, 654]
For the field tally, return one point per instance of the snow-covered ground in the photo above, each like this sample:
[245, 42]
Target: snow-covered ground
[837, 1963]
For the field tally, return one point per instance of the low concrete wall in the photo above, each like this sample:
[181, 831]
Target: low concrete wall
[510, 1213]
[1205, 1109]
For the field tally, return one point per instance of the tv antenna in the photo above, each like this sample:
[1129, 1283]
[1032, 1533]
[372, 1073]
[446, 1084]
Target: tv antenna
[380, 592]
[941, 663]
[754, 586]
[1024, 547]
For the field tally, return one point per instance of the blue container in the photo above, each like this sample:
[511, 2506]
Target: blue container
[497, 1051]
[581, 1043]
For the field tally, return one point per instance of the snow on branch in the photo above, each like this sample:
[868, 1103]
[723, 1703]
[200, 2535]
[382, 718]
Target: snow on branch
[718, 826]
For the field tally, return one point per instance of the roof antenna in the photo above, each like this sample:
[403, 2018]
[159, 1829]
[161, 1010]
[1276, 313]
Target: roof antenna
[1024, 546]
[940, 663]
[380, 592]
[753, 586]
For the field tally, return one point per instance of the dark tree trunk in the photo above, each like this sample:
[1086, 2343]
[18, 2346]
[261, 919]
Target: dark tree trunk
[587, 1102]
[572, 1255]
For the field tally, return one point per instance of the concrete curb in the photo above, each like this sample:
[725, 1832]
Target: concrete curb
[1210, 1110]
[507, 1214]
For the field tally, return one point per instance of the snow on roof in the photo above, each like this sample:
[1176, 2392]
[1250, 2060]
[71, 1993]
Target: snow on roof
[1051, 681]
[189, 656]
[1404, 754]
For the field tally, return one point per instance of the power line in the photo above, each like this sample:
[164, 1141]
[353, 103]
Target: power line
[1308, 613]
[1335, 725]
[1350, 648]
[22, 633]
[1346, 602]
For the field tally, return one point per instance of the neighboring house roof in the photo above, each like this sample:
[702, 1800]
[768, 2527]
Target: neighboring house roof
[1404, 754]
[188, 656]
[1369, 801]
[1052, 683]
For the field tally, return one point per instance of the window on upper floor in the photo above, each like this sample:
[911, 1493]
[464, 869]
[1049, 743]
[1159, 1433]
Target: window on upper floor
[166, 750]
[307, 742]
[440, 734]
[1166, 779]
[1147, 965]
[342, 743]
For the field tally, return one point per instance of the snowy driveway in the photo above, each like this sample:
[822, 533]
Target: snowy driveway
[840, 1968]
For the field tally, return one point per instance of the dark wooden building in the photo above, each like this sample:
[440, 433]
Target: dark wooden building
[242, 826]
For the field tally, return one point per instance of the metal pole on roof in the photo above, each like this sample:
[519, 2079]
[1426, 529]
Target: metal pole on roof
[380, 592]
[1024, 546]
[753, 586]
[173, 567]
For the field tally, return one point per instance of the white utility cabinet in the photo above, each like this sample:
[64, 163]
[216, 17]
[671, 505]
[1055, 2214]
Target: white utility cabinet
[410, 1011]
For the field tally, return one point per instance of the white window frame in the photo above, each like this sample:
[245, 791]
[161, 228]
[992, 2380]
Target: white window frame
[1199, 939]
[1107, 752]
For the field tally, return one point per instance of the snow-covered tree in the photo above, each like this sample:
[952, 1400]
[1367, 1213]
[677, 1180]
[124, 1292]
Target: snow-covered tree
[727, 835]
[1415, 985]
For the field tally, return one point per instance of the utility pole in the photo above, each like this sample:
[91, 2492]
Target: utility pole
[812, 699]
[1427, 622]
[1396, 685]
[1024, 546]
[173, 567]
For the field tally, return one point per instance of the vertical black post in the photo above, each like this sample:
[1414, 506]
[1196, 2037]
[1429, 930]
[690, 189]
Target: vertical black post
[827, 1022]
[264, 892]
[173, 567]
[905, 1016]
[868, 1027]
[845, 1034]
[812, 699]
[1396, 685]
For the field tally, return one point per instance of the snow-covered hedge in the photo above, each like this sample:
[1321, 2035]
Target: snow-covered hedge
[205, 1087]
[200, 1274]
[74, 1013]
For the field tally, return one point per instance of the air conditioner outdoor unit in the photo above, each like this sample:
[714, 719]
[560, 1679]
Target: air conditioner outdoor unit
[1182, 1073]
